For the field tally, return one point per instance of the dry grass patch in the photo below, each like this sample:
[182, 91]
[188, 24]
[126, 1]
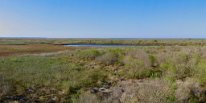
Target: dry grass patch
[6, 50]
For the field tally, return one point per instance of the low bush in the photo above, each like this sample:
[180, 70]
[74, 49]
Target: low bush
[136, 69]
[70, 76]
[5, 87]
[108, 59]
[180, 67]
[139, 54]
[111, 57]
[88, 54]
[94, 78]
[153, 61]
[88, 98]
[201, 71]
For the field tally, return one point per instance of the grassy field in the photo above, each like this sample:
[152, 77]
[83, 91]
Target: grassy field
[138, 42]
[45, 73]
[6, 50]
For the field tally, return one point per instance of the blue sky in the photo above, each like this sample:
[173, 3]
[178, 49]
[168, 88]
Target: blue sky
[103, 18]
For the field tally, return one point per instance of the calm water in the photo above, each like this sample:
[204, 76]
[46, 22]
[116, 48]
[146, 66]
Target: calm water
[99, 45]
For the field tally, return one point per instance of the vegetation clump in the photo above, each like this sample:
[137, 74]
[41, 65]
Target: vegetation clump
[88, 54]
[103, 75]
[111, 57]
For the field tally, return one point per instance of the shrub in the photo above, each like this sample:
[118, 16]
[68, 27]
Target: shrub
[143, 91]
[156, 91]
[111, 57]
[88, 98]
[108, 59]
[5, 87]
[153, 61]
[201, 71]
[137, 69]
[177, 71]
[93, 78]
[138, 54]
[88, 54]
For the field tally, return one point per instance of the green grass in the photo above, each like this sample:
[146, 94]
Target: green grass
[70, 75]
[201, 70]
[140, 42]
[54, 72]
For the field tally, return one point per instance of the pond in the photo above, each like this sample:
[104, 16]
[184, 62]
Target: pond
[99, 45]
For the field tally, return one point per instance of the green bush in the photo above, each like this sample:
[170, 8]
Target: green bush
[88, 54]
[94, 78]
[108, 59]
[153, 61]
[177, 71]
[137, 69]
[169, 71]
[201, 72]
[111, 57]
[5, 87]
